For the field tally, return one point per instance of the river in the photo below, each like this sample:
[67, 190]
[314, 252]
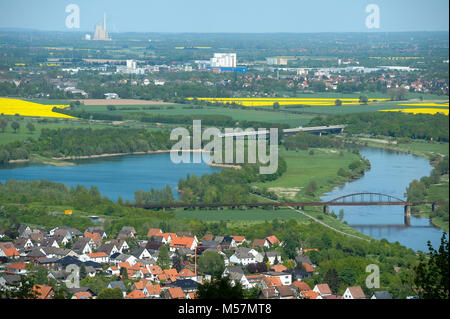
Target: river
[390, 173]
[113, 176]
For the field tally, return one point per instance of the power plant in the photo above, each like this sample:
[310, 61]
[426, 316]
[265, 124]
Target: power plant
[101, 33]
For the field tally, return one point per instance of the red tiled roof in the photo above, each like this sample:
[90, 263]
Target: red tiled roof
[97, 255]
[278, 268]
[83, 295]
[42, 291]
[308, 267]
[273, 240]
[182, 242]
[154, 290]
[357, 292]
[301, 285]
[272, 281]
[324, 289]
[238, 239]
[136, 294]
[153, 232]
[186, 272]
[309, 294]
[176, 293]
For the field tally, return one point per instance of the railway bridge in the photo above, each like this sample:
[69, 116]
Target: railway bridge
[356, 199]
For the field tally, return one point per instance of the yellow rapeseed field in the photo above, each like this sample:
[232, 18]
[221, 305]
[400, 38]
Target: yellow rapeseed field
[283, 101]
[419, 111]
[24, 108]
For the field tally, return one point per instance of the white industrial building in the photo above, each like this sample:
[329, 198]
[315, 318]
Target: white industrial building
[224, 60]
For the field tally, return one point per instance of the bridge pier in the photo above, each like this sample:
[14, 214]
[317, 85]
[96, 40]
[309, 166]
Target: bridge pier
[326, 209]
[407, 215]
[433, 207]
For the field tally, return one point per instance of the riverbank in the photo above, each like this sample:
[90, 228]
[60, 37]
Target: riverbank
[433, 152]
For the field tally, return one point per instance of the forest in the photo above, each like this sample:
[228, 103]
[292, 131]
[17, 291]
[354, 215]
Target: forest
[394, 124]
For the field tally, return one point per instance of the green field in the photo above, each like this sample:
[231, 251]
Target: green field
[256, 215]
[302, 168]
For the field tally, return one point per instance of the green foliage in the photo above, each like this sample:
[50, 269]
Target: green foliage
[211, 263]
[110, 293]
[220, 288]
[432, 273]
[163, 257]
[395, 124]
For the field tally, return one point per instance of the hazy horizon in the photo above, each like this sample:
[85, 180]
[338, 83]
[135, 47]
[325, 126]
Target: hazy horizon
[232, 16]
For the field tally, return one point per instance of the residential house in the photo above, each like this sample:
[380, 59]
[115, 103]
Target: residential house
[152, 291]
[16, 269]
[174, 293]
[83, 246]
[382, 294]
[239, 240]
[109, 249]
[236, 274]
[99, 257]
[8, 250]
[322, 289]
[23, 243]
[271, 240]
[285, 278]
[183, 242]
[187, 285]
[120, 284]
[136, 294]
[82, 295]
[285, 292]
[244, 256]
[273, 257]
[153, 232]
[43, 292]
[355, 292]
[141, 253]
[259, 243]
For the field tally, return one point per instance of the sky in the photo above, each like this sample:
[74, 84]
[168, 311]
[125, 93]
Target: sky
[244, 16]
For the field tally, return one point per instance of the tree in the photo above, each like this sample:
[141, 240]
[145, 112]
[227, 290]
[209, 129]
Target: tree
[83, 272]
[311, 188]
[15, 126]
[331, 277]
[220, 288]
[110, 293]
[338, 102]
[163, 257]
[111, 108]
[363, 99]
[432, 273]
[341, 214]
[348, 276]
[30, 127]
[3, 124]
[211, 263]
[276, 106]
[123, 273]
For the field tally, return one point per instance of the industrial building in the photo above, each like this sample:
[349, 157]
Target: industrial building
[224, 60]
[101, 33]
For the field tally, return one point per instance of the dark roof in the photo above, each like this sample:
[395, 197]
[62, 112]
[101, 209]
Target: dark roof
[303, 259]
[185, 284]
[68, 260]
[138, 251]
[382, 294]
[120, 284]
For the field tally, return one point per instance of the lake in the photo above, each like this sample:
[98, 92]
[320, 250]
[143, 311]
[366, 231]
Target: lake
[113, 176]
